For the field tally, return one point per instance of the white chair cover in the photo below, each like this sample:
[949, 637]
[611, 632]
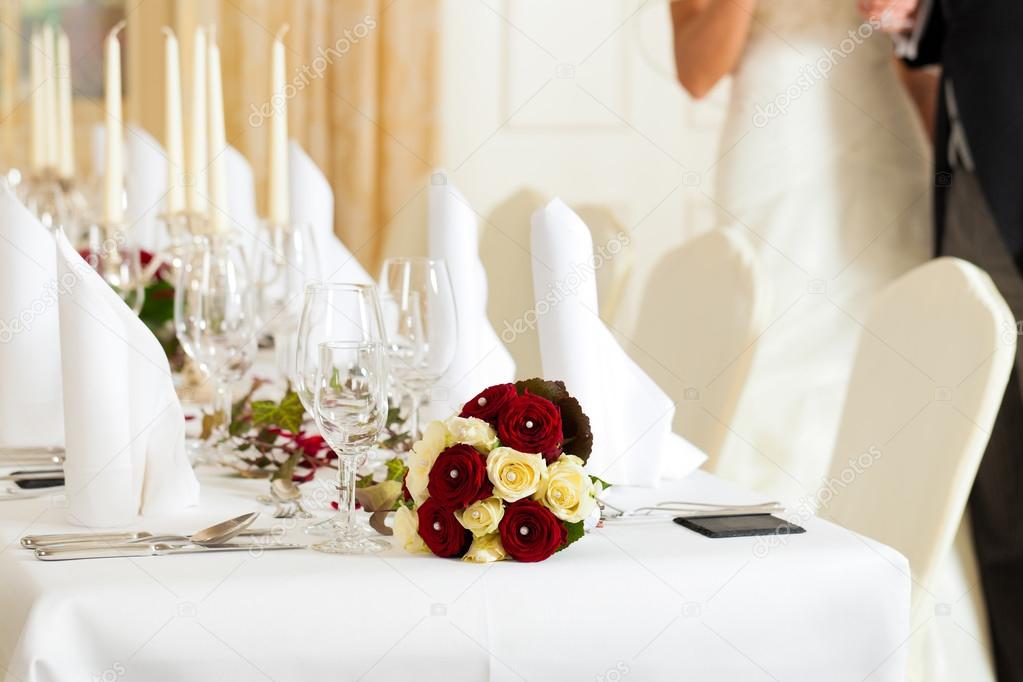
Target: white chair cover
[933, 362]
[703, 305]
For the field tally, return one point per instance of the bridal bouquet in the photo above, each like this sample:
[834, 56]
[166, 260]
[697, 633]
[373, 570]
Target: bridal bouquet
[503, 479]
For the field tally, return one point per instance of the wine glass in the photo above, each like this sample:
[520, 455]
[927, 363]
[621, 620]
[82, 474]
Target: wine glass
[420, 323]
[214, 321]
[332, 312]
[350, 408]
[287, 261]
[117, 262]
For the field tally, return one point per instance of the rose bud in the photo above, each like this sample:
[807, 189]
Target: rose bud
[441, 531]
[459, 477]
[532, 424]
[530, 532]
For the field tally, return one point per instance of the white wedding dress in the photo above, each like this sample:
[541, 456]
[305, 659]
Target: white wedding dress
[824, 161]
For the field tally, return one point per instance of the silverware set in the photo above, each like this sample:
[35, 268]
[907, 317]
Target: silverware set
[216, 538]
[34, 472]
[609, 512]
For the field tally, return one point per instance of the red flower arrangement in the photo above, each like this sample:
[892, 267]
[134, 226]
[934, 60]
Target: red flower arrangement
[503, 479]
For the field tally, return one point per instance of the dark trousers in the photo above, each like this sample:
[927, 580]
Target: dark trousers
[996, 502]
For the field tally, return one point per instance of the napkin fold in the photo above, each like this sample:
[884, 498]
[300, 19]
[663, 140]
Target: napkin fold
[630, 415]
[312, 202]
[31, 407]
[124, 427]
[481, 359]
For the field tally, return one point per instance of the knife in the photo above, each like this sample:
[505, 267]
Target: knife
[39, 541]
[141, 550]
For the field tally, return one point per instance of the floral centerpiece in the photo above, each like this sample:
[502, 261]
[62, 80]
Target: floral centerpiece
[502, 479]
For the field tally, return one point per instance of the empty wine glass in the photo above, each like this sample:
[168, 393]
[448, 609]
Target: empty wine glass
[287, 261]
[420, 323]
[117, 262]
[332, 312]
[214, 321]
[350, 408]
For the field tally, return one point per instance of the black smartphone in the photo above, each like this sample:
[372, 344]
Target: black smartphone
[739, 526]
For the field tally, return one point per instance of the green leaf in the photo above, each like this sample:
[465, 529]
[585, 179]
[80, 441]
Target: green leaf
[575, 531]
[396, 469]
[602, 482]
[290, 413]
[263, 411]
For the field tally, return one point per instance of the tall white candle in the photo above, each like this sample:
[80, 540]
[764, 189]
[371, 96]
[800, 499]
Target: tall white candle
[113, 179]
[66, 158]
[50, 125]
[196, 167]
[172, 123]
[217, 138]
[279, 206]
[38, 151]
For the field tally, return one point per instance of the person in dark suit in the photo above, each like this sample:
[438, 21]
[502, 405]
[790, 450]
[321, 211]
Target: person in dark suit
[978, 201]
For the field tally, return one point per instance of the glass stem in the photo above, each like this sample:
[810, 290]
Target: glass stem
[221, 408]
[284, 352]
[417, 403]
[349, 463]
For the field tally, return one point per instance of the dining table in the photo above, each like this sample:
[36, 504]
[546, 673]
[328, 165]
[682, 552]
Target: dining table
[638, 598]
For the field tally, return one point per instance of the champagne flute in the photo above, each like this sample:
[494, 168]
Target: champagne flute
[350, 407]
[421, 325]
[213, 319]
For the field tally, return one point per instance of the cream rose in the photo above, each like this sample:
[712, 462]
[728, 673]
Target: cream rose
[567, 490]
[515, 474]
[471, 431]
[420, 460]
[485, 549]
[482, 517]
[406, 531]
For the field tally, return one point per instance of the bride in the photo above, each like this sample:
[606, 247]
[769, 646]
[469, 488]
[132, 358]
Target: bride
[824, 162]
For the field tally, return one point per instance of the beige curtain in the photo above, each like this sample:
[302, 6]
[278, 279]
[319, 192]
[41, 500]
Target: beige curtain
[362, 101]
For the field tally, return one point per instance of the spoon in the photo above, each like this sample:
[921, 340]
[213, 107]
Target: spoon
[216, 534]
[286, 491]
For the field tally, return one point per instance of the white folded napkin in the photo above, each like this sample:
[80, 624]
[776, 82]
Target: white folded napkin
[630, 416]
[481, 359]
[312, 202]
[31, 409]
[124, 427]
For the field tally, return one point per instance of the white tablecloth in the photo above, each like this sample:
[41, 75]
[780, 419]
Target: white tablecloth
[649, 601]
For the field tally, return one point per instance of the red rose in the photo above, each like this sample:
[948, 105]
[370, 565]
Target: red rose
[459, 477]
[529, 531]
[532, 424]
[441, 531]
[489, 404]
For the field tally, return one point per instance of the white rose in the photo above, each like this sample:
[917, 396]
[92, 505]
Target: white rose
[567, 490]
[472, 431]
[406, 531]
[485, 549]
[515, 474]
[482, 517]
[420, 460]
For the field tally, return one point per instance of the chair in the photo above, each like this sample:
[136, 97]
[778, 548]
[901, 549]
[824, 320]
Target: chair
[934, 359]
[704, 305]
